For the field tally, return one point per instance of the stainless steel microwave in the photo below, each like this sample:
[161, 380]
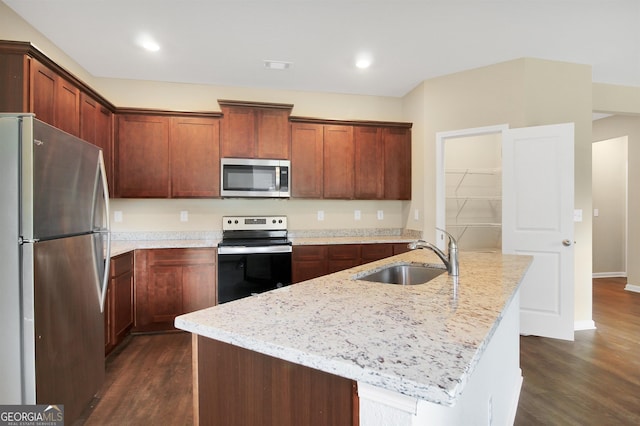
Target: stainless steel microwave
[249, 177]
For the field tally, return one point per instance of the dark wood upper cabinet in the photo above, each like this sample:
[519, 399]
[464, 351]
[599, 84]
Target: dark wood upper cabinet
[142, 156]
[67, 107]
[397, 163]
[43, 88]
[338, 162]
[338, 159]
[164, 156]
[96, 127]
[54, 100]
[307, 145]
[369, 163]
[195, 157]
[255, 130]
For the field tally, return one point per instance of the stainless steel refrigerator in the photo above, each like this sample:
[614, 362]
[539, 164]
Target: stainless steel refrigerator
[54, 262]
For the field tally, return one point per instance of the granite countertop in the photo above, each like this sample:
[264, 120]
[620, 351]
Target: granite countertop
[126, 242]
[422, 341]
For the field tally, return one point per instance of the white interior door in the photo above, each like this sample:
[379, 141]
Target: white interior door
[537, 219]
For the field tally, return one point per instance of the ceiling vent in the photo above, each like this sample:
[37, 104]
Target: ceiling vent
[277, 65]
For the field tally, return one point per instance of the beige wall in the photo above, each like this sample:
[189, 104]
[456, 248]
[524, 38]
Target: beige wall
[520, 93]
[620, 126]
[610, 199]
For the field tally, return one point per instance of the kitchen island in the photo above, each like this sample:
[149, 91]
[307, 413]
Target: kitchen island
[441, 352]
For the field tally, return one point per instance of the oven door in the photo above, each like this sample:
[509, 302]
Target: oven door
[244, 271]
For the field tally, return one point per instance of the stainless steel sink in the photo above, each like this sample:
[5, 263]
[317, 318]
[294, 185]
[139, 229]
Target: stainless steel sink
[404, 274]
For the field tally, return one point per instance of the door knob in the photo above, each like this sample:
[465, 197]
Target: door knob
[566, 243]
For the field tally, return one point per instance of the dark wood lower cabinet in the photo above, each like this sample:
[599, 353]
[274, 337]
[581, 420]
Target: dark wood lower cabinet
[343, 256]
[118, 311]
[171, 282]
[313, 261]
[236, 386]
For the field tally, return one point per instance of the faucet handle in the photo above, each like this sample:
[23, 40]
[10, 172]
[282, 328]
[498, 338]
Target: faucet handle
[453, 244]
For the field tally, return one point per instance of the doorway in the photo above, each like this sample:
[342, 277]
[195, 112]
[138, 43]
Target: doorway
[610, 200]
[469, 187]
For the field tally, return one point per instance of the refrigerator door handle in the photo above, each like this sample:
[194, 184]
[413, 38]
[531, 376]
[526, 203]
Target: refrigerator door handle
[107, 257]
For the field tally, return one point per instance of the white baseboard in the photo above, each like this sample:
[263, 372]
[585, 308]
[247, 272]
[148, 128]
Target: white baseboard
[584, 325]
[609, 275]
[631, 287]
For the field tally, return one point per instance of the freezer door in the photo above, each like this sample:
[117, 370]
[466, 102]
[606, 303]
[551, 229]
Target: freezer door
[69, 327]
[59, 185]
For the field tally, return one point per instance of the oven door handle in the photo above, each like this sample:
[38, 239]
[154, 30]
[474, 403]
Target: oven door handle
[253, 250]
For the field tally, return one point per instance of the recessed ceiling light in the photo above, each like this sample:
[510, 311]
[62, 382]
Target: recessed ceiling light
[363, 61]
[148, 43]
[151, 46]
[277, 65]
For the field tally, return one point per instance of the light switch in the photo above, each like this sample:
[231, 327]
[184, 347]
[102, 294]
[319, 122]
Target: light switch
[596, 213]
[357, 215]
[380, 214]
[320, 215]
[577, 215]
[184, 216]
[117, 216]
[416, 214]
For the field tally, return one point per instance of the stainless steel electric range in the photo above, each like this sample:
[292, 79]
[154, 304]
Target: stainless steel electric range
[254, 256]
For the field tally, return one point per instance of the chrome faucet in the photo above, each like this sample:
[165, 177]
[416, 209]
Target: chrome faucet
[450, 260]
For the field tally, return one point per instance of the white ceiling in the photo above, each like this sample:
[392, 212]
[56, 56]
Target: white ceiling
[225, 42]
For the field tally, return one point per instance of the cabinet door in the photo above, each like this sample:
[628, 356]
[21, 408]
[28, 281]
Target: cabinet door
[67, 107]
[195, 157]
[165, 293]
[142, 145]
[273, 134]
[198, 287]
[369, 163]
[397, 164]
[238, 132]
[338, 162]
[14, 82]
[343, 256]
[306, 160]
[96, 127]
[308, 262]
[43, 88]
[122, 305]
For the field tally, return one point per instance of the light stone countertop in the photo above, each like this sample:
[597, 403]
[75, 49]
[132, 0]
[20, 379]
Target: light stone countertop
[126, 242]
[422, 341]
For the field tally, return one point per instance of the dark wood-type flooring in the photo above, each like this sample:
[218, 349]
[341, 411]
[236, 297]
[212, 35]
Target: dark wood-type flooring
[594, 380]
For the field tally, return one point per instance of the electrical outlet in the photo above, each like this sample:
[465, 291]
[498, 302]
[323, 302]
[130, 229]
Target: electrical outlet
[380, 214]
[357, 215]
[184, 216]
[117, 216]
[416, 214]
[320, 215]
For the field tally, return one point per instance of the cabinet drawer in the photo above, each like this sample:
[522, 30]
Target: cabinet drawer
[121, 264]
[371, 252]
[181, 256]
[344, 251]
[308, 253]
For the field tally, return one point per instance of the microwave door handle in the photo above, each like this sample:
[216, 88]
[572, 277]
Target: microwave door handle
[277, 178]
